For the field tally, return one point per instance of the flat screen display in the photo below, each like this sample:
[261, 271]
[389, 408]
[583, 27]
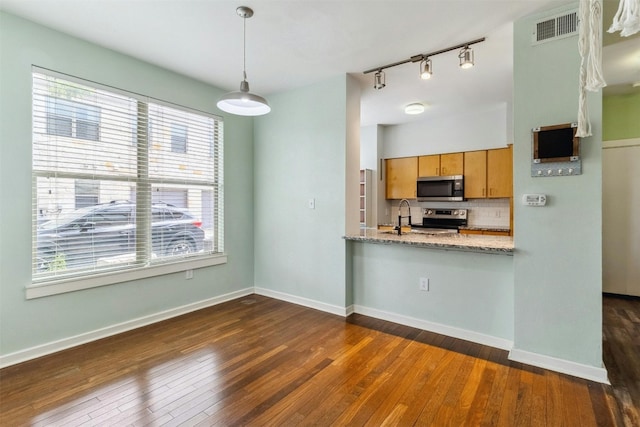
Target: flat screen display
[555, 144]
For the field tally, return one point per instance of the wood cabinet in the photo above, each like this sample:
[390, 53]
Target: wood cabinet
[452, 164]
[475, 174]
[429, 165]
[441, 164]
[500, 172]
[401, 175]
[488, 174]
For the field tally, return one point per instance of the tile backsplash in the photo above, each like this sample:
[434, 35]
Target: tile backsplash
[482, 212]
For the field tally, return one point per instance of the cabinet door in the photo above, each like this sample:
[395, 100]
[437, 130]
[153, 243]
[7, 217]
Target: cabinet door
[500, 173]
[429, 165]
[451, 164]
[401, 178]
[475, 174]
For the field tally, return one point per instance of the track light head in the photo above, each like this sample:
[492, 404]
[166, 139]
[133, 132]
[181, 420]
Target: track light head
[466, 57]
[379, 80]
[425, 69]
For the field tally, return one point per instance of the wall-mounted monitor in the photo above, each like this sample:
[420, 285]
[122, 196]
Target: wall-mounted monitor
[557, 143]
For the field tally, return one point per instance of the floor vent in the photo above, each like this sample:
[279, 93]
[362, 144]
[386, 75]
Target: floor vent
[555, 27]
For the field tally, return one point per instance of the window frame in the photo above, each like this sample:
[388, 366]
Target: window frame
[93, 278]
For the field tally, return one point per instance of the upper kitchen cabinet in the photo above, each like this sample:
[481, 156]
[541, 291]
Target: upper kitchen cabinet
[500, 172]
[401, 175]
[475, 174]
[429, 165]
[488, 174]
[441, 164]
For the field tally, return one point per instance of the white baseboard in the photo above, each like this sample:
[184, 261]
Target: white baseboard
[560, 365]
[328, 308]
[533, 359]
[63, 344]
[438, 328]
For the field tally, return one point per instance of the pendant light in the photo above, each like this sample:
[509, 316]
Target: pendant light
[243, 102]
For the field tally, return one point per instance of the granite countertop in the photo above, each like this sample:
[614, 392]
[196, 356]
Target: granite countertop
[502, 245]
[483, 228]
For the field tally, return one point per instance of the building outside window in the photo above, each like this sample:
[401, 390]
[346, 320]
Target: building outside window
[107, 199]
[178, 138]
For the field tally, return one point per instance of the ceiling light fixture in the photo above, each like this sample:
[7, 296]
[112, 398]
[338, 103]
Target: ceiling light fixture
[243, 102]
[466, 61]
[466, 57]
[415, 108]
[425, 69]
[379, 80]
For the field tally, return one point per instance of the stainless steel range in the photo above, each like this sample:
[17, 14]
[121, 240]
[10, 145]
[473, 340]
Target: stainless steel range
[438, 221]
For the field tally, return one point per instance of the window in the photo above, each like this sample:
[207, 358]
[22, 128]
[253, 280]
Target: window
[87, 193]
[178, 138]
[72, 119]
[109, 200]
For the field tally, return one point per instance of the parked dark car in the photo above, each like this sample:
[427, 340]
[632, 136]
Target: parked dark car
[86, 236]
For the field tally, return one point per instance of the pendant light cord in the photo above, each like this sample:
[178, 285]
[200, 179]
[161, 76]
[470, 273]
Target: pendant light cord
[244, 47]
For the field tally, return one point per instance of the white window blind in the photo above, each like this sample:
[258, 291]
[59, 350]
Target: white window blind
[120, 181]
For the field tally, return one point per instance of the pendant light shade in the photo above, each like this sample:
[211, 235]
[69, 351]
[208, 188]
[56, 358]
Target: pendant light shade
[243, 102]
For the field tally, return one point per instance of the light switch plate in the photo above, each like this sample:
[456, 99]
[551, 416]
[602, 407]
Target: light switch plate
[312, 203]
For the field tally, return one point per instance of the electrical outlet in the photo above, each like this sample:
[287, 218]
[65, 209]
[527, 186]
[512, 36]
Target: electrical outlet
[188, 274]
[424, 284]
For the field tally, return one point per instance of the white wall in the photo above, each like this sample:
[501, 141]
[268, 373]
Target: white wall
[479, 130]
[30, 326]
[621, 216]
[557, 264]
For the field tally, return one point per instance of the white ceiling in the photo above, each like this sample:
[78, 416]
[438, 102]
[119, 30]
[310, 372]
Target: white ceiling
[295, 43]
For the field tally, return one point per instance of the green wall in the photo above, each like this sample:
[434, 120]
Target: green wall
[30, 324]
[301, 154]
[558, 259]
[621, 116]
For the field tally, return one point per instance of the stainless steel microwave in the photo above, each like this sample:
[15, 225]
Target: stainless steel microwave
[440, 188]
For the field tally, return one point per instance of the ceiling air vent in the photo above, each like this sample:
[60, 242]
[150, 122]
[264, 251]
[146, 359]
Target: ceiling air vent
[555, 27]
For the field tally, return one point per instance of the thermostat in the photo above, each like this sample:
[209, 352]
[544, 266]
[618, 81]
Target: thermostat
[534, 199]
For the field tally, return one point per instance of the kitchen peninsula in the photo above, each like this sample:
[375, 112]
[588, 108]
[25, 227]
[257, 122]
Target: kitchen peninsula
[502, 245]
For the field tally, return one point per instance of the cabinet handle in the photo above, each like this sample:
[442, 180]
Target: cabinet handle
[491, 191]
[483, 191]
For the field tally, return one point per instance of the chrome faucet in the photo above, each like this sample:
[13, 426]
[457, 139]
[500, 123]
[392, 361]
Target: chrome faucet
[400, 215]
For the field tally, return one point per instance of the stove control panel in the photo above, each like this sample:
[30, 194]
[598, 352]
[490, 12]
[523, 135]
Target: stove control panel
[433, 213]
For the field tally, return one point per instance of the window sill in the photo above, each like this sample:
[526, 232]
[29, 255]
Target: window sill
[77, 284]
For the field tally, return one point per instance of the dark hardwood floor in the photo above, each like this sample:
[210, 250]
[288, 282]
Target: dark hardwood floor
[259, 361]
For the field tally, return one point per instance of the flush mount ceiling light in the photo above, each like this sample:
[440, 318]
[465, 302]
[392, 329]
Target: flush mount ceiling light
[379, 80]
[466, 61]
[243, 102]
[425, 69]
[466, 57]
[415, 108]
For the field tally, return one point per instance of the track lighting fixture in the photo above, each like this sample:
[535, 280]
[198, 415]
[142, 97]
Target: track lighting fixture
[243, 102]
[379, 80]
[466, 57]
[426, 67]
